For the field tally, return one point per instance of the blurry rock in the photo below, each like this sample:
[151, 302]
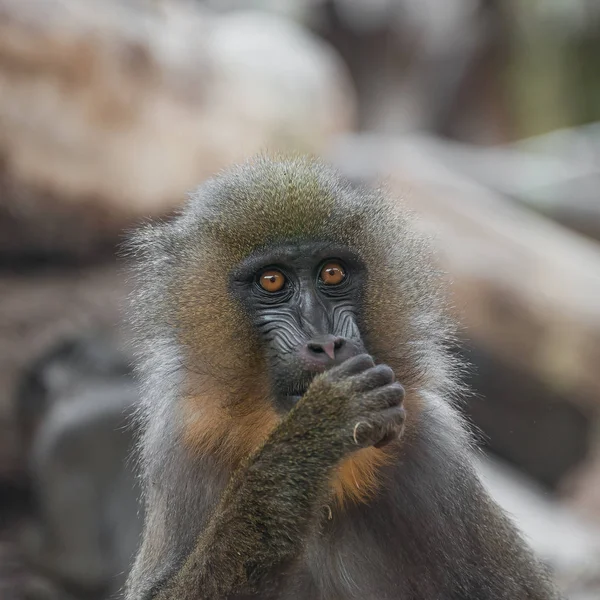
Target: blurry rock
[567, 543]
[38, 309]
[77, 403]
[429, 65]
[557, 174]
[62, 374]
[111, 111]
[18, 582]
[583, 486]
[525, 421]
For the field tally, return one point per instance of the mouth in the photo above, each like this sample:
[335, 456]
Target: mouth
[291, 386]
[297, 389]
[294, 397]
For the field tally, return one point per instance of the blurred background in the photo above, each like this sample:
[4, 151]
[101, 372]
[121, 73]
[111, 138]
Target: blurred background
[483, 115]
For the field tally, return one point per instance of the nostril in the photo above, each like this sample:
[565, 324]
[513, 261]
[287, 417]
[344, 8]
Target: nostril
[327, 345]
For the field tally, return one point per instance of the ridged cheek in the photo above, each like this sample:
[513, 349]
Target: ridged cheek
[280, 331]
[343, 319]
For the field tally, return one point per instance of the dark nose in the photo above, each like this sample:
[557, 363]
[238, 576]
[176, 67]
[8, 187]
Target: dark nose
[325, 350]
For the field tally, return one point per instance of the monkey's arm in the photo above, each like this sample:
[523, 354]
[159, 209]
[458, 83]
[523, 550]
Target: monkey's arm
[271, 503]
[261, 520]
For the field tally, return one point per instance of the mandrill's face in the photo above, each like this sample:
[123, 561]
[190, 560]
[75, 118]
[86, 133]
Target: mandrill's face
[303, 298]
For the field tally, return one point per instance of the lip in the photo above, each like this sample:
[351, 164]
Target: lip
[297, 391]
[293, 398]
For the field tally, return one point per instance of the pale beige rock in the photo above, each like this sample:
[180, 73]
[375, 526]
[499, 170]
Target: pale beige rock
[112, 112]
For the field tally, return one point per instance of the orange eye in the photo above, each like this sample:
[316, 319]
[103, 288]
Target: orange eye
[332, 274]
[272, 281]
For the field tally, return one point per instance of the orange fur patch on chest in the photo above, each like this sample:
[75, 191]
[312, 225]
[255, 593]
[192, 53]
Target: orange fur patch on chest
[358, 477]
[232, 433]
[229, 432]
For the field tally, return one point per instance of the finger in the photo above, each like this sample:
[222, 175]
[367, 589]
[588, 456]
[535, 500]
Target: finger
[380, 430]
[352, 366]
[372, 378]
[388, 438]
[384, 397]
[391, 425]
[362, 433]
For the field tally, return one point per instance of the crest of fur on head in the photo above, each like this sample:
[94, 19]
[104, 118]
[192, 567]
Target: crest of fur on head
[199, 344]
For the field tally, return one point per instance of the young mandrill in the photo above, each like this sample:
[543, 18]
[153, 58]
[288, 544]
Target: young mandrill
[299, 438]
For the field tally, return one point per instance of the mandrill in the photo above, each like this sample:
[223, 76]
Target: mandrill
[299, 435]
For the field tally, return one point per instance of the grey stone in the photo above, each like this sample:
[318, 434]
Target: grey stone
[566, 542]
[87, 522]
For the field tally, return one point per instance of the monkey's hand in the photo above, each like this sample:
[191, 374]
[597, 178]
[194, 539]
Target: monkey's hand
[352, 406]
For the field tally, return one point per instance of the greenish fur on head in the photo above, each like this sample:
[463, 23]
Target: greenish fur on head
[266, 201]
[271, 200]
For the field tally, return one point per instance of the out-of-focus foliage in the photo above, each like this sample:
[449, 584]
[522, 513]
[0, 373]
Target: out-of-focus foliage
[553, 74]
